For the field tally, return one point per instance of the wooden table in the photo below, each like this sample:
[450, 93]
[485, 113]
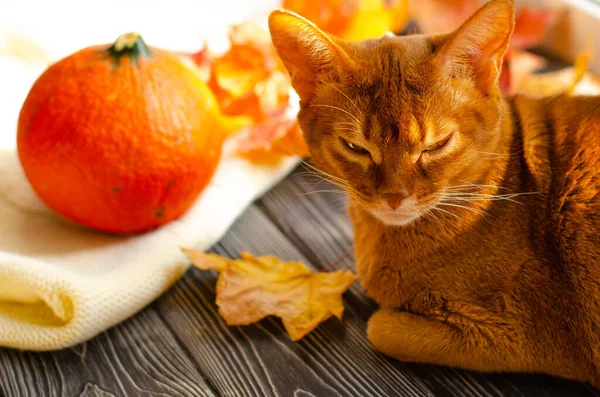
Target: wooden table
[179, 346]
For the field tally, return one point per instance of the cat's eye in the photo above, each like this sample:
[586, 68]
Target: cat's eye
[438, 145]
[355, 148]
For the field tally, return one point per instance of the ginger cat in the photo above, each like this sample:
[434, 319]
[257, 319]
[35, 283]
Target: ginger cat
[476, 217]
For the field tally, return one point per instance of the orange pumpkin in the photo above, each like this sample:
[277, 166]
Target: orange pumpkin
[121, 138]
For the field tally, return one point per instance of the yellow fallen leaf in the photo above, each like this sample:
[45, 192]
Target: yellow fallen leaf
[251, 288]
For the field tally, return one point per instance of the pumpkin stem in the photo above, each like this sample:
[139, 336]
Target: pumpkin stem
[129, 45]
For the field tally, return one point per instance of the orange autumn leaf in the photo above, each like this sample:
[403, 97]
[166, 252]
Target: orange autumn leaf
[249, 79]
[252, 288]
[353, 19]
[268, 142]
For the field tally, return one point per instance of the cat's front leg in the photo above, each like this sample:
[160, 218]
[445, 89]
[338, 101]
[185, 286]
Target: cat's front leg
[379, 273]
[415, 338]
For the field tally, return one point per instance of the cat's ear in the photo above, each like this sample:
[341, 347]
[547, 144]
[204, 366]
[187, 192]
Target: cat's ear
[307, 52]
[477, 48]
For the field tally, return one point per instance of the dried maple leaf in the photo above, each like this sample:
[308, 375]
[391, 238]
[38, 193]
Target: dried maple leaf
[249, 79]
[252, 288]
[353, 19]
[266, 143]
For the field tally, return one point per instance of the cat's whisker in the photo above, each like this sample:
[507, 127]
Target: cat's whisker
[463, 191]
[446, 212]
[316, 179]
[472, 209]
[324, 179]
[472, 197]
[491, 195]
[470, 187]
[479, 199]
[338, 199]
[476, 188]
[323, 174]
[344, 185]
[498, 195]
[337, 108]
[337, 123]
[347, 97]
[352, 130]
[486, 186]
[487, 194]
[339, 203]
[426, 110]
[322, 191]
[339, 208]
[349, 126]
[470, 194]
[321, 178]
[429, 213]
[309, 167]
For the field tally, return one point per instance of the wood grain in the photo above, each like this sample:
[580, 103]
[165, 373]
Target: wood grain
[334, 360]
[139, 357]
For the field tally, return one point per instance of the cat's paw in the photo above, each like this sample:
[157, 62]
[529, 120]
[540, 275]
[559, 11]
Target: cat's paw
[383, 331]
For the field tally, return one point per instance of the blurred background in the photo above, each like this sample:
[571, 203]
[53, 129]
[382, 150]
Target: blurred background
[35, 33]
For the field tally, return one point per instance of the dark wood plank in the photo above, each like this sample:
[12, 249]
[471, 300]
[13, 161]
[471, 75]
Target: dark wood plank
[248, 361]
[260, 360]
[139, 357]
[319, 224]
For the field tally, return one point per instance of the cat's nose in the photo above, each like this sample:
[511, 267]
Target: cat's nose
[394, 199]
